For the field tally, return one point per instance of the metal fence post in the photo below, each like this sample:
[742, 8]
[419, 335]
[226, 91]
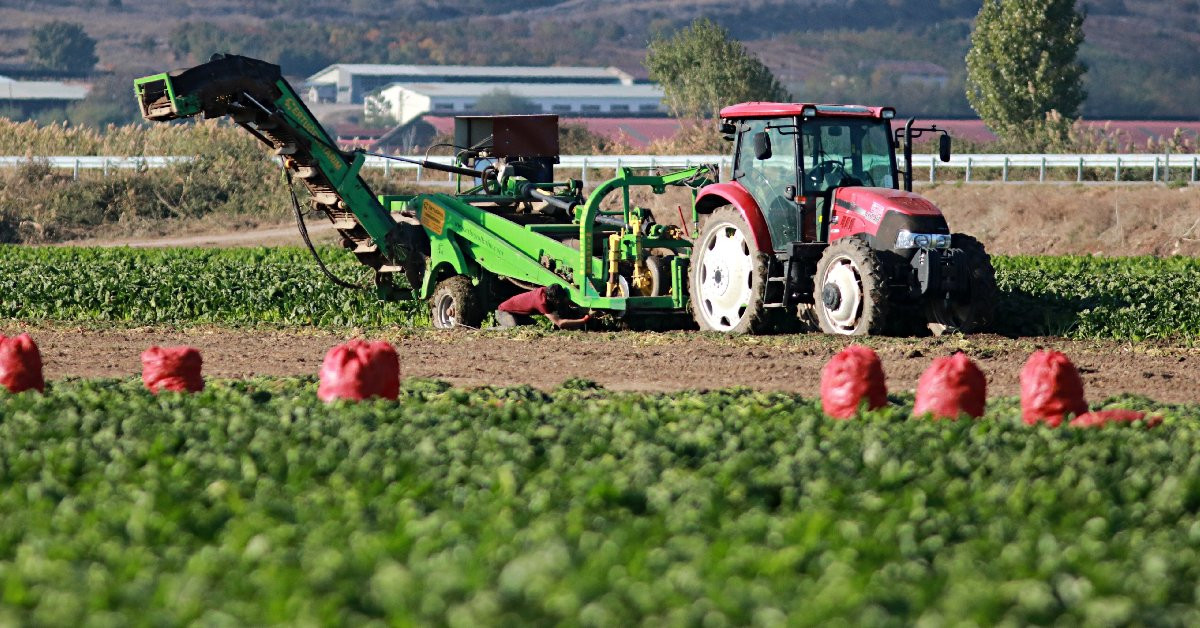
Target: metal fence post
[968, 169]
[75, 171]
[1167, 168]
[1042, 174]
[932, 169]
[1118, 178]
[419, 169]
[387, 167]
[1004, 174]
[1154, 175]
[583, 172]
[106, 168]
[1194, 160]
[1079, 174]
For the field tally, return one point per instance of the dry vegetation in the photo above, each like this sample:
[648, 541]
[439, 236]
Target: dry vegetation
[233, 185]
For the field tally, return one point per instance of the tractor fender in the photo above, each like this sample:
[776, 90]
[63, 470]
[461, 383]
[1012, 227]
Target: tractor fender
[445, 258]
[733, 193]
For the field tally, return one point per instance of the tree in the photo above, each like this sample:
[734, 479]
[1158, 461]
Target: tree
[108, 102]
[1023, 77]
[702, 69]
[63, 47]
[503, 102]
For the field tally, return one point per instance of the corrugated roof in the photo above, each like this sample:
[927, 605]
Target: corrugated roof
[532, 90]
[1129, 133]
[42, 90]
[637, 132]
[382, 69]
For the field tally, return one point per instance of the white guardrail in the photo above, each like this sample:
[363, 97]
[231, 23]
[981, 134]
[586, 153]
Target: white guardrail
[1161, 167]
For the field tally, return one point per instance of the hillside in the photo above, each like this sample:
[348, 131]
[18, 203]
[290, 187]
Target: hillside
[904, 52]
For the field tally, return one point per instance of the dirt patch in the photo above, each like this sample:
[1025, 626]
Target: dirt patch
[623, 361]
[1010, 219]
[1134, 219]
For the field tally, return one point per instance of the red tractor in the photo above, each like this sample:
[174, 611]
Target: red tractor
[814, 223]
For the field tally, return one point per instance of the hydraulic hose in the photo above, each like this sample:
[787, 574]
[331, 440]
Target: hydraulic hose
[552, 201]
[338, 281]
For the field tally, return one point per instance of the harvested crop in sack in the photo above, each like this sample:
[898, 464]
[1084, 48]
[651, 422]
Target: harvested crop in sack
[851, 378]
[177, 369]
[20, 364]
[1100, 418]
[1050, 389]
[360, 370]
[950, 387]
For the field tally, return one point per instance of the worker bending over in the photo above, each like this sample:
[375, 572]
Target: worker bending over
[548, 301]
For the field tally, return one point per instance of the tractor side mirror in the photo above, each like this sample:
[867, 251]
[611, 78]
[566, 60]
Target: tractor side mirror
[762, 145]
[944, 147]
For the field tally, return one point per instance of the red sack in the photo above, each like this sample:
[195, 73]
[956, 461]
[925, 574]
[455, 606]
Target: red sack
[20, 364]
[1050, 389]
[950, 387]
[1100, 418]
[852, 377]
[176, 369]
[360, 370]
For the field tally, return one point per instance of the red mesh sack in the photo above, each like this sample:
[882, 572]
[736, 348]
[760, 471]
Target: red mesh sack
[1104, 417]
[360, 370]
[852, 377]
[176, 369]
[1050, 389]
[950, 387]
[20, 364]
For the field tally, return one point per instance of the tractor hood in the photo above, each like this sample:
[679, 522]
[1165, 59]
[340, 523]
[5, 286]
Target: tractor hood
[883, 213]
[873, 203]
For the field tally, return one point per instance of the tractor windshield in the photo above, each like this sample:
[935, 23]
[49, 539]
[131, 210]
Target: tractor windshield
[840, 151]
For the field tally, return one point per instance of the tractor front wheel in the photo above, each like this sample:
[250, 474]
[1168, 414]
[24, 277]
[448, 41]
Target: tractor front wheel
[728, 276]
[455, 303]
[849, 290]
[971, 309]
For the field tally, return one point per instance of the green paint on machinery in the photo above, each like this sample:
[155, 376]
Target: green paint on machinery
[508, 227]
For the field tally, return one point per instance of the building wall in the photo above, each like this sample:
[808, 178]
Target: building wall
[406, 105]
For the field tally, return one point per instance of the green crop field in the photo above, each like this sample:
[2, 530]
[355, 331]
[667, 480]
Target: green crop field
[253, 503]
[1080, 297]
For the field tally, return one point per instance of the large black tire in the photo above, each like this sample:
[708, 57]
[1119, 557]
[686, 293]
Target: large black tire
[975, 308]
[455, 303]
[849, 289]
[727, 281]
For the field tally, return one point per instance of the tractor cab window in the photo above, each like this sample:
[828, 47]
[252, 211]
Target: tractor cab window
[768, 180]
[846, 151]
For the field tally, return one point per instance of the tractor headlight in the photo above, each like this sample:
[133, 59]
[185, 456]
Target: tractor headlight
[909, 240]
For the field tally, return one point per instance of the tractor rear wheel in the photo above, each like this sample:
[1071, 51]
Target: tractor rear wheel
[973, 308]
[455, 303]
[728, 276]
[849, 289]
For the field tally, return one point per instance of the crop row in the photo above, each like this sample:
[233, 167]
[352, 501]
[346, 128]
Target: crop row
[252, 503]
[1084, 297]
[272, 286]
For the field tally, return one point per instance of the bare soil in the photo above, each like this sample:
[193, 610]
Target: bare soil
[1010, 219]
[638, 361]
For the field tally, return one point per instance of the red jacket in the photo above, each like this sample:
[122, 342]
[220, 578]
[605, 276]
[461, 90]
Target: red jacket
[527, 304]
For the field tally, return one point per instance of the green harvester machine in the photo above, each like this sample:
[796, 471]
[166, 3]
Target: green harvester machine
[508, 228]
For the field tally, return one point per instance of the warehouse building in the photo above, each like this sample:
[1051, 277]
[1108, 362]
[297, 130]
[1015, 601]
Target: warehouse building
[30, 97]
[352, 82]
[406, 102]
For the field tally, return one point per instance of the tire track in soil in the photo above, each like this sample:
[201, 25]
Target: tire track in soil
[635, 361]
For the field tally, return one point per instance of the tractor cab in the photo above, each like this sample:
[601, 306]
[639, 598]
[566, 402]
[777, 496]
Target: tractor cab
[792, 158]
[818, 218]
